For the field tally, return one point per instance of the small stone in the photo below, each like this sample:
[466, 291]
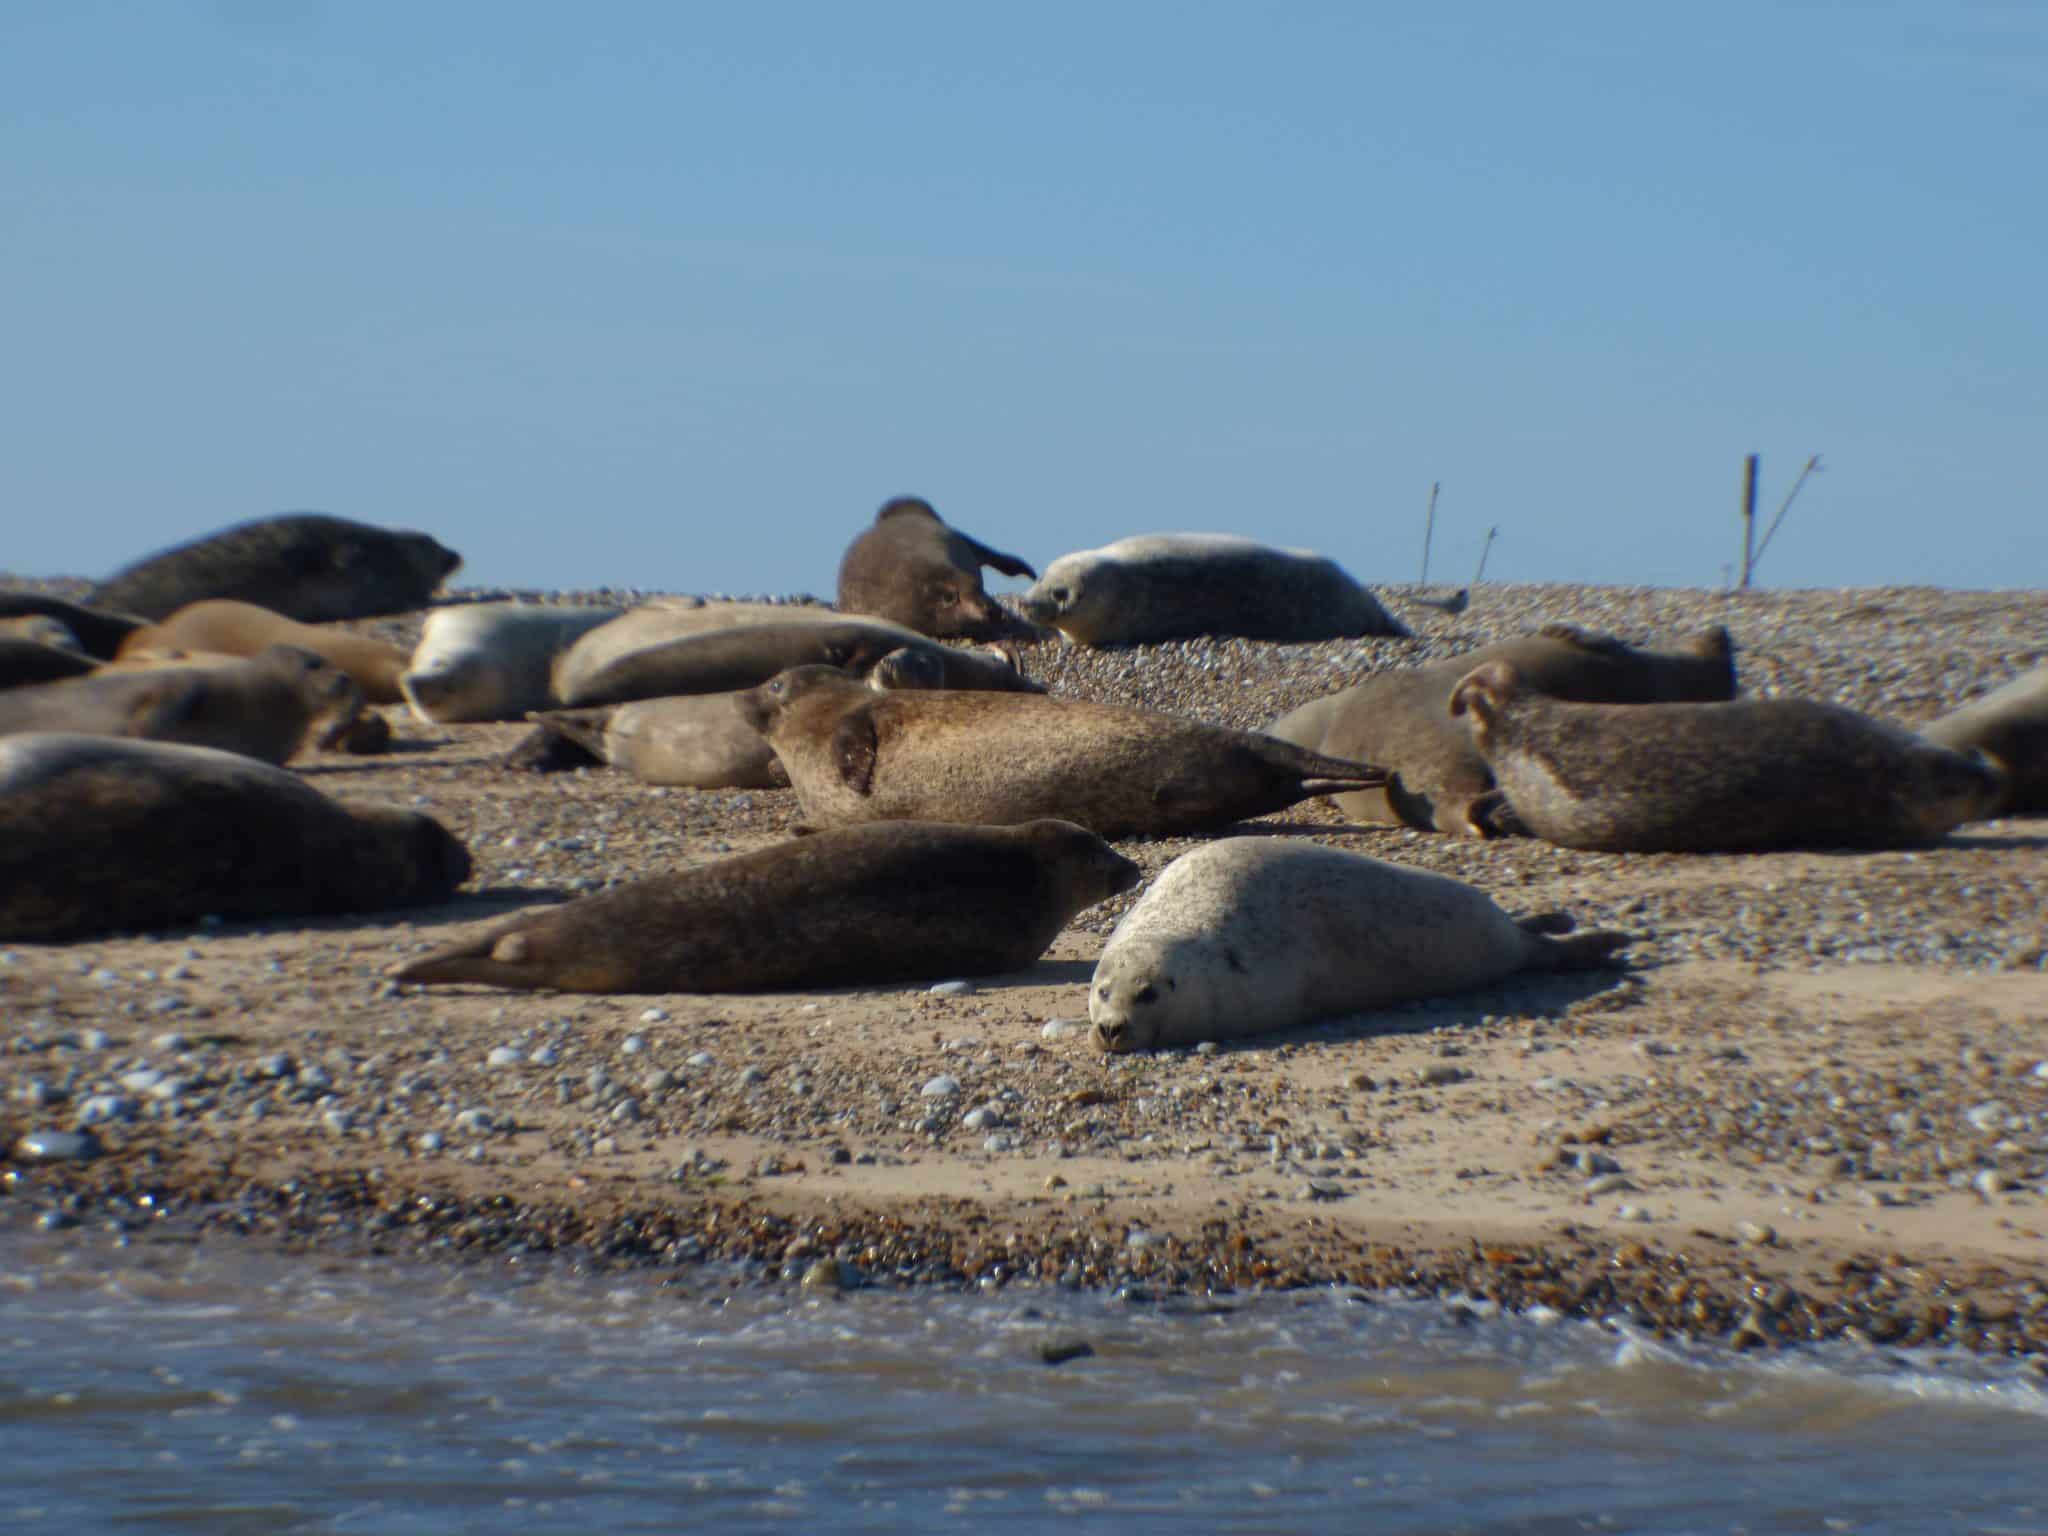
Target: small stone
[94, 1040]
[503, 1056]
[633, 1045]
[1987, 1117]
[58, 1147]
[1594, 1164]
[1000, 1142]
[170, 1040]
[105, 1109]
[1990, 1182]
[430, 1141]
[1756, 1234]
[626, 1112]
[1059, 1351]
[652, 1016]
[826, 1275]
[1441, 1075]
[961, 988]
[1058, 1029]
[700, 1059]
[1608, 1183]
[941, 1088]
[544, 1056]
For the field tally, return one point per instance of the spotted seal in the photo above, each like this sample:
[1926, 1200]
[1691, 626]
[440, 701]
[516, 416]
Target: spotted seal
[2010, 726]
[1255, 934]
[1402, 719]
[1172, 586]
[855, 755]
[305, 565]
[910, 567]
[101, 835]
[910, 901]
[1744, 775]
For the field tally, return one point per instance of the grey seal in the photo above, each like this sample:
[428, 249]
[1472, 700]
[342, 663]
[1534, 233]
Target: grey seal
[1255, 934]
[904, 902]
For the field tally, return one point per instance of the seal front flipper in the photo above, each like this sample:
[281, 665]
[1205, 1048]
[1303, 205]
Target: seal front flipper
[1578, 951]
[855, 750]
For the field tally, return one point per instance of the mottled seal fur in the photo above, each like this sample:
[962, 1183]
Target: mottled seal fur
[25, 662]
[856, 755]
[912, 568]
[266, 706]
[726, 660]
[1255, 934]
[305, 565]
[492, 661]
[699, 741]
[1749, 774]
[1402, 719]
[99, 632]
[242, 629]
[905, 902]
[1172, 586]
[98, 835]
[2009, 726]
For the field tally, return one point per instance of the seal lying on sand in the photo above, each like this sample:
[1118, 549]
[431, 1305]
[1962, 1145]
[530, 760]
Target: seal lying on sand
[244, 629]
[912, 568]
[699, 741]
[99, 835]
[1170, 586]
[656, 623]
[1402, 720]
[264, 707]
[1254, 934]
[304, 565]
[726, 660]
[906, 902]
[100, 633]
[25, 662]
[856, 755]
[2009, 726]
[492, 661]
[1750, 774]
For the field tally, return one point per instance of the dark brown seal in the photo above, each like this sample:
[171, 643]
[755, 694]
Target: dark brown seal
[264, 707]
[1749, 774]
[101, 633]
[727, 660]
[304, 565]
[2010, 726]
[244, 629]
[912, 568]
[99, 835]
[24, 663]
[906, 902]
[856, 755]
[1402, 720]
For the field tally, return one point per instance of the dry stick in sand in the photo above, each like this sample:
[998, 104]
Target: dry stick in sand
[1428, 528]
[1752, 552]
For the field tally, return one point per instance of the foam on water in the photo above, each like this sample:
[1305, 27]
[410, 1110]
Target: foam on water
[220, 1387]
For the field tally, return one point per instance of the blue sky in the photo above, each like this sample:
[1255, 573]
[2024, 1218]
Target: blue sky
[676, 295]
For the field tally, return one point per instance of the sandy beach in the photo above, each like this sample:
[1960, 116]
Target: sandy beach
[1814, 1105]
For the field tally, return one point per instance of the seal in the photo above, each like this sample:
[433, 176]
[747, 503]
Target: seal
[232, 628]
[98, 632]
[1251, 934]
[855, 755]
[2009, 726]
[1402, 719]
[727, 660]
[304, 565]
[1174, 586]
[99, 835]
[265, 707]
[913, 569]
[699, 741]
[492, 661]
[905, 902]
[655, 624]
[1746, 775]
[43, 630]
[24, 662]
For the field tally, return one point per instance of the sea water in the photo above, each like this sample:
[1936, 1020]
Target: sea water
[219, 1386]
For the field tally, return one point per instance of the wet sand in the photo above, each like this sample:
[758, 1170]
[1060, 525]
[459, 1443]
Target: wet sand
[1816, 1103]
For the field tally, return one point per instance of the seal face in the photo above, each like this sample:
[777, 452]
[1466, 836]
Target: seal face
[1402, 719]
[264, 707]
[1250, 935]
[492, 661]
[908, 902]
[2009, 726]
[100, 835]
[1744, 775]
[913, 569]
[244, 629]
[304, 565]
[854, 755]
[1172, 586]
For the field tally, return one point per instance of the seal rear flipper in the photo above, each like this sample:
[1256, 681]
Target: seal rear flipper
[854, 750]
[1585, 639]
[1490, 815]
[497, 959]
[547, 749]
[995, 559]
[1580, 951]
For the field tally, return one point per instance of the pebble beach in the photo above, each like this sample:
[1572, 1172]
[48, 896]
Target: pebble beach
[1814, 1106]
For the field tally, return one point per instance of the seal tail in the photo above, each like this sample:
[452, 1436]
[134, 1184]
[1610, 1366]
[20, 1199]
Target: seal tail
[1581, 951]
[1009, 565]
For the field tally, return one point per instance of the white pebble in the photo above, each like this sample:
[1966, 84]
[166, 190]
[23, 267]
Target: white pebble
[504, 1056]
[633, 1045]
[941, 1088]
[654, 1016]
[952, 989]
[1056, 1029]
